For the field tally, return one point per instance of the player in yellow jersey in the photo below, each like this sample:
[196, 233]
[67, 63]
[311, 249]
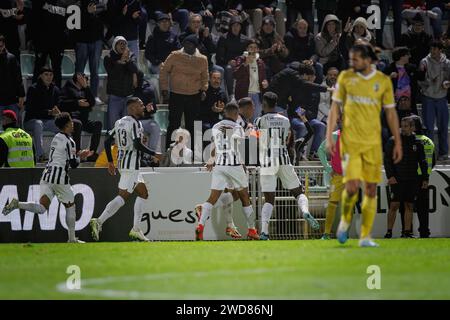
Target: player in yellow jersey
[360, 94]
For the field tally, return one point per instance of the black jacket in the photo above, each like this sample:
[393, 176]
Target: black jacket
[230, 47]
[197, 6]
[213, 95]
[299, 48]
[11, 86]
[282, 84]
[206, 46]
[92, 25]
[306, 95]
[9, 24]
[123, 25]
[413, 157]
[418, 44]
[70, 94]
[120, 76]
[160, 45]
[47, 27]
[41, 100]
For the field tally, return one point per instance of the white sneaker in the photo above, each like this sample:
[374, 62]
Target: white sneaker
[13, 205]
[368, 243]
[138, 235]
[76, 241]
[96, 228]
[98, 101]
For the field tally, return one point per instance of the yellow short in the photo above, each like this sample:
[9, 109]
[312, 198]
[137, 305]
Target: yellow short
[362, 164]
[336, 187]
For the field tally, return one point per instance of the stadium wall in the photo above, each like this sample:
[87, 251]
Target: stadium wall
[170, 215]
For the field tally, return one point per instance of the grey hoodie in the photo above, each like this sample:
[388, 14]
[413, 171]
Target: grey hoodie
[436, 72]
[326, 49]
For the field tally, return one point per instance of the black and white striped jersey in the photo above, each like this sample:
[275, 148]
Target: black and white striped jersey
[274, 131]
[62, 150]
[227, 135]
[125, 131]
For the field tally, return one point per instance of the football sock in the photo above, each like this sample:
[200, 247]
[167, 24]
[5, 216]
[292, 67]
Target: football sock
[70, 221]
[303, 205]
[347, 205]
[138, 211]
[206, 212]
[331, 212]
[111, 208]
[248, 216]
[266, 213]
[369, 209]
[225, 201]
[32, 206]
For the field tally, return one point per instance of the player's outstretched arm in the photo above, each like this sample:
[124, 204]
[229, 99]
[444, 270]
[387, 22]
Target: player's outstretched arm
[392, 120]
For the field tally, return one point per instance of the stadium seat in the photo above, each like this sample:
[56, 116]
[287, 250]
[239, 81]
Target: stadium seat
[162, 118]
[27, 65]
[67, 67]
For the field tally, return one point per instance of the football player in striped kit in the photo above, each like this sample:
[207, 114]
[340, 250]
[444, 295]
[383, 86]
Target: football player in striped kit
[127, 134]
[228, 170]
[55, 177]
[274, 130]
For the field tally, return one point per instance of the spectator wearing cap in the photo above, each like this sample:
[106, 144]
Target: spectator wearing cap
[11, 17]
[77, 99]
[230, 46]
[170, 7]
[250, 75]
[124, 18]
[271, 47]
[122, 70]
[16, 146]
[187, 72]
[404, 76]
[434, 95]
[416, 40]
[353, 31]
[258, 9]
[48, 31]
[12, 92]
[161, 43]
[429, 17]
[89, 41]
[41, 107]
[327, 43]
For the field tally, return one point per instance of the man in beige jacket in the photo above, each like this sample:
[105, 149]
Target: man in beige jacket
[185, 74]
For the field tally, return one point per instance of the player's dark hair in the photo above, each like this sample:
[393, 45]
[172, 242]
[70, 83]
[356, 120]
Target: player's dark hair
[231, 107]
[132, 100]
[62, 119]
[245, 102]
[270, 99]
[365, 50]
[252, 41]
[418, 124]
[399, 52]
[306, 69]
[437, 44]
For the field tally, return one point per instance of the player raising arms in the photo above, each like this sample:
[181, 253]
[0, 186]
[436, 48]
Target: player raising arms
[361, 92]
[228, 170]
[55, 177]
[127, 133]
[274, 131]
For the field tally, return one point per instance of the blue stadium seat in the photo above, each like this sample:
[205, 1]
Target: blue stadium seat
[27, 65]
[67, 67]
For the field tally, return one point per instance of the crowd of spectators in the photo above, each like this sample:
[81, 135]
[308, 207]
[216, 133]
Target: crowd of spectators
[206, 53]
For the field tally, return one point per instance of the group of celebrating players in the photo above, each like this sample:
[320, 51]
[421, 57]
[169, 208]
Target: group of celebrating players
[359, 96]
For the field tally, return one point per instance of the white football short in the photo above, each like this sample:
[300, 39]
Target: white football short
[63, 192]
[286, 173]
[129, 180]
[231, 177]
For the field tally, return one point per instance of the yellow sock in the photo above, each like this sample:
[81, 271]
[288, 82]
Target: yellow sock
[347, 205]
[369, 209]
[331, 212]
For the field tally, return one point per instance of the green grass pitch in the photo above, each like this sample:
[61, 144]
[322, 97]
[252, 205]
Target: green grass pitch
[306, 269]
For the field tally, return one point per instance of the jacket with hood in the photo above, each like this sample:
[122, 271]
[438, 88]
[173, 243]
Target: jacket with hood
[242, 75]
[187, 74]
[48, 24]
[436, 72]
[348, 38]
[11, 85]
[326, 48]
[300, 49]
[160, 45]
[418, 43]
[120, 76]
[229, 46]
[273, 60]
[41, 100]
